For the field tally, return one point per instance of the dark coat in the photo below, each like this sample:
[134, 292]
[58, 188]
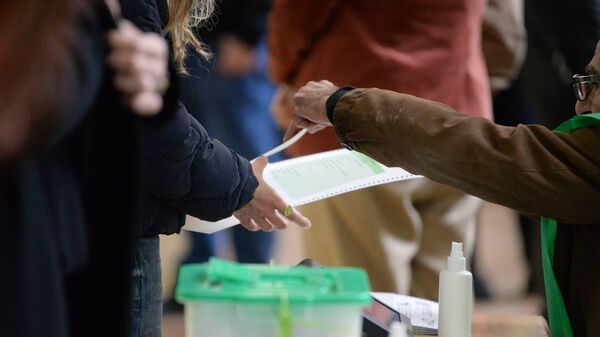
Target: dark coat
[185, 171]
[66, 213]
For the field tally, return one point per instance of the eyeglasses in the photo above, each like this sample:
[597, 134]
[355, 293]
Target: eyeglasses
[583, 85]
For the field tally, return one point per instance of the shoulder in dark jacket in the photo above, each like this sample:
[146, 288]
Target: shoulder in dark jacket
[185, 170]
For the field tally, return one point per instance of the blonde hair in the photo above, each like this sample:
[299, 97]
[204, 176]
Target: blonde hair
[184, 16]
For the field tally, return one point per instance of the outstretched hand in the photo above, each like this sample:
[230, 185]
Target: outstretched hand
[266, 210]
[309, 108]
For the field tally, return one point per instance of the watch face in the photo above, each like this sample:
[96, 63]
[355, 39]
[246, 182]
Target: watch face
[381, 313]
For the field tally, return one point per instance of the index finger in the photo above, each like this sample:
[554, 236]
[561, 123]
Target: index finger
[124, 37]
[152, 44]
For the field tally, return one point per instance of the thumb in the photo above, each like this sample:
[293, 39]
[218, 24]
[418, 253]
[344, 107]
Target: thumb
[291, 131]
[259, 164]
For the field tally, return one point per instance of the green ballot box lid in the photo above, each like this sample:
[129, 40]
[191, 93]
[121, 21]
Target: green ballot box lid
[220, 280]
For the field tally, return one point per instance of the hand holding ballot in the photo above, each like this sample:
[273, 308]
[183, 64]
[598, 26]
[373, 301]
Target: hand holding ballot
[267, 210]
[303, 180]
[309, 108]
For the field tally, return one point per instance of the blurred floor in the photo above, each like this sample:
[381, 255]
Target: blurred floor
[173, 326]
[500, 264]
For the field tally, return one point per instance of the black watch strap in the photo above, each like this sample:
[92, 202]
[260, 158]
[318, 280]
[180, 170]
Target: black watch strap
[333, 99]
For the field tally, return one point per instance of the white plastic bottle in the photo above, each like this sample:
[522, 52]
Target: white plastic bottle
[455, 296]
[398, 329]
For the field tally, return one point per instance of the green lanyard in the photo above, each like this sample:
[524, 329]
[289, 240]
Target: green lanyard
[560, 326]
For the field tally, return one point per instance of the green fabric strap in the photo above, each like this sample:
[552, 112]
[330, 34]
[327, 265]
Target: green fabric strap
[560, 326]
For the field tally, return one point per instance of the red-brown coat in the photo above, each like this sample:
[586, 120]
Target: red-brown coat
[427, 48]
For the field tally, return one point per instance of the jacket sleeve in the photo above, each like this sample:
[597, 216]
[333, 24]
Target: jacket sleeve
[182, 165]
[293, 28]
[192, 172]
[528, 167]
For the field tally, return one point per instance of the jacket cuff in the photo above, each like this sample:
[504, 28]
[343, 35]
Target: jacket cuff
[249, 187]
[333, 99]
[346, 120]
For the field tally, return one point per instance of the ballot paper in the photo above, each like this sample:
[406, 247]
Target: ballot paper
[315, 177]
[423, 313]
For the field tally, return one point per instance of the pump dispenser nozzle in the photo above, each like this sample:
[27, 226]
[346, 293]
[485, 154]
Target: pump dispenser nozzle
[456, 260]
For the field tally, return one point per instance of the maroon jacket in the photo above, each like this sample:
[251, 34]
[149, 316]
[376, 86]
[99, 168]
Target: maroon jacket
[427, 48]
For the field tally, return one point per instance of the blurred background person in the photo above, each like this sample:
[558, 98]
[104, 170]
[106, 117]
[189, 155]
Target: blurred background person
[504, 44]
[230, 95]
[69, 162]
[562, 37]
[398, 232]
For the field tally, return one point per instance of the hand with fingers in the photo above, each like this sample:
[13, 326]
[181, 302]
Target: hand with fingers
[140, 62]
[267, 210]
[309, 108]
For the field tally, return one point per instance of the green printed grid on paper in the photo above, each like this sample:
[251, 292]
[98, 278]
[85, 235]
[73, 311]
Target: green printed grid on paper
[321, 174]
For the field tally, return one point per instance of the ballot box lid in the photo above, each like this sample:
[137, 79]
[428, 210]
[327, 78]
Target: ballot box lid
[220, 280]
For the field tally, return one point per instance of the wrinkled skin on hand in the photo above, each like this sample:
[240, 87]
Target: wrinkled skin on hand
[309, 108]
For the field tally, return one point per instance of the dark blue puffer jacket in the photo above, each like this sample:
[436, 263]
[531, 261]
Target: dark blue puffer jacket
[185, 171]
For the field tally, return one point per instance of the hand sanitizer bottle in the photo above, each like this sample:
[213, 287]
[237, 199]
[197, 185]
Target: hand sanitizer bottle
[455, 296]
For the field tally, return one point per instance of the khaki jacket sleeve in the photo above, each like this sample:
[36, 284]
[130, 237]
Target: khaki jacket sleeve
[528, 167]
[503, 41]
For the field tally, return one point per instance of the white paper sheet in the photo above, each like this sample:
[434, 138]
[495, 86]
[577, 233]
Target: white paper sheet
[315, 177]
[423, 313]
